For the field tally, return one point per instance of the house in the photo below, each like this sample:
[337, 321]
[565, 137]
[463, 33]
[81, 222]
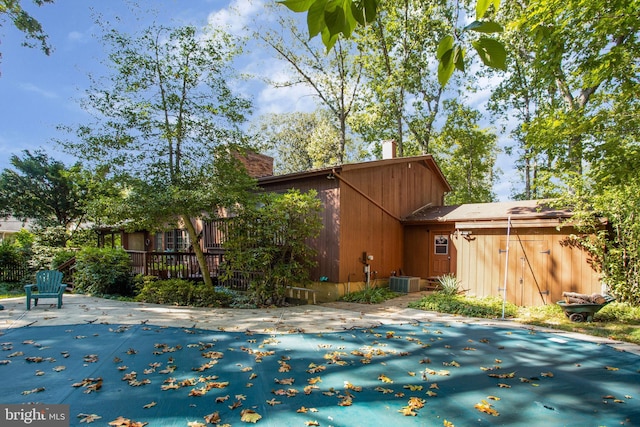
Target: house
[386, 218]
[10, 226]
[362, 241]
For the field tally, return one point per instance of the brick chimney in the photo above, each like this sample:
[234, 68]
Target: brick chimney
[388, 149]
[257, 165]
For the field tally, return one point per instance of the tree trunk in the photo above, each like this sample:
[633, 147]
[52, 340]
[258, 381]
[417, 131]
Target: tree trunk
[197, 249]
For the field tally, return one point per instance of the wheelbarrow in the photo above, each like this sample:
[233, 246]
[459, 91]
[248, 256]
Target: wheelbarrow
[583, 312]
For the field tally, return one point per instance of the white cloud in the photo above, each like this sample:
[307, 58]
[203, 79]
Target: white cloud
[237, 16]
[285, 100]
[30, 87]
[76, 37]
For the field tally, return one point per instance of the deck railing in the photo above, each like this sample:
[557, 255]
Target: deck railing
[184, 265]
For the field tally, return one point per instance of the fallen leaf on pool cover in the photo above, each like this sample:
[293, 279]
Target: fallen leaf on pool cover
[213, 418]
[273, 402]
[284, 381]
[125, 422]
[408, 411]
[88, 418]
[222, 399]
[311, 423]
[196, 424]
[150, 405]
[446, 423]
[35, 390]
[235, 405]
[487, 408]
[385, 379]
[345, 401]
[502, 376]
[413, 387]
[249, 416]
[611, 368]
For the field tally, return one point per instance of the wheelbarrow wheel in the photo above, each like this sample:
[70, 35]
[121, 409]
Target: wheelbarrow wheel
[576, 317]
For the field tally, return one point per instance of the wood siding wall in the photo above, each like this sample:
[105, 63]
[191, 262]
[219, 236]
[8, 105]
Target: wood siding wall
[539, 268]
[419, 249]
[400, 188]
[327, 244]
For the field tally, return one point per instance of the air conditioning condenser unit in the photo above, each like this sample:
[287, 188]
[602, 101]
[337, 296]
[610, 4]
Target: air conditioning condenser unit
[404, 284]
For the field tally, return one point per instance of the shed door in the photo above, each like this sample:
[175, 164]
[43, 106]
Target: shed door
[527, 271]
[440, 255]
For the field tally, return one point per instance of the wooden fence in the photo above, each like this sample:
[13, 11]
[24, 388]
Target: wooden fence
[12, 272]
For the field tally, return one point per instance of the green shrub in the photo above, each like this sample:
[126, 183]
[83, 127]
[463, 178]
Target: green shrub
[449, 284]
[103, 271]
[370, 296]
[489, 307]
[62, 256]
[183, 292]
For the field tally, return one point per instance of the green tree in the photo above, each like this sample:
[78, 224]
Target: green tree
[334, 78]
[330, 19]
[467, 154]
[583, 54]
[272, 239]
[300, 141]
[167, 127]
[46, 191]
[581, 58]
[23, 21]
[403, 95]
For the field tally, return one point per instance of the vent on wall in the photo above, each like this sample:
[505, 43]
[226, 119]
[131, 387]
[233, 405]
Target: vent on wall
[404, 284]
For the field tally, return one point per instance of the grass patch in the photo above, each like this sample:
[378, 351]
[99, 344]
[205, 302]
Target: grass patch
[370, 296]
[617, 321]
[464, 306]
[11, 290]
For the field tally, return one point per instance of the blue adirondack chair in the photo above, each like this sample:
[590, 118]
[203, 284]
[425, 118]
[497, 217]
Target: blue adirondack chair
[48, 284]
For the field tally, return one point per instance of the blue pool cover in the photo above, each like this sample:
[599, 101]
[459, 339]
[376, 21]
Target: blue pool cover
[422, 374]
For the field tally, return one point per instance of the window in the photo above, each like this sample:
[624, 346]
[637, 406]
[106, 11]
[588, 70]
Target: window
[176, 240]
[441, 244]
[158, 242]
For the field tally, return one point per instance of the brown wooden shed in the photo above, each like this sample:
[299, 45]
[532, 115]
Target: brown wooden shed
[535, 270]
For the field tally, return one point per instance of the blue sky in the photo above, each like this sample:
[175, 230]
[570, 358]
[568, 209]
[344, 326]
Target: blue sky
[39, 92]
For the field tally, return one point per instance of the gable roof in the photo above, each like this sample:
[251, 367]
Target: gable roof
[426, 159]
[491, 215]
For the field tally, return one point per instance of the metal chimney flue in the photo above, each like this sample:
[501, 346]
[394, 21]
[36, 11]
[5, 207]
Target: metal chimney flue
[388, 149]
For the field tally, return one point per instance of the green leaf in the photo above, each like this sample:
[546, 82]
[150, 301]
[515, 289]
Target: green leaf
[298, 5]
[445, 45]
[445, 67]
[328, 40]
[484, 27]
[492, 52]
[458, 58]
[365, 11]
[315, 18]
[336, 21]
[483, 5]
